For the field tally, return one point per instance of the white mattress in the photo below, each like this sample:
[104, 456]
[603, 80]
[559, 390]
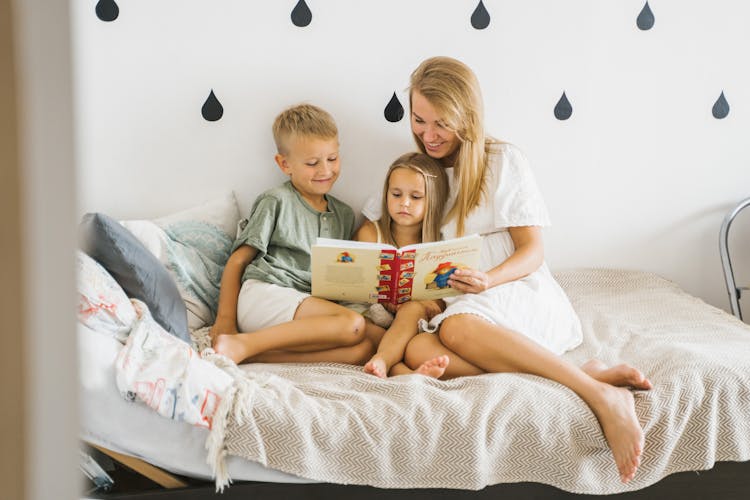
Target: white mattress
[110, 421]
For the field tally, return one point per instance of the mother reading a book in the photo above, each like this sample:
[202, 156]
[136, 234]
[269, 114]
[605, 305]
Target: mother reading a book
[513, 316]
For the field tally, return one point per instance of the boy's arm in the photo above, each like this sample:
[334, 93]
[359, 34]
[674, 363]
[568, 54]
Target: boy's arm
[366, 232]
[231, 281]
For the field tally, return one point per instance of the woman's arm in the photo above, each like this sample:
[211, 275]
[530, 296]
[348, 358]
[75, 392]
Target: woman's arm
[527, 257]
[229, 292]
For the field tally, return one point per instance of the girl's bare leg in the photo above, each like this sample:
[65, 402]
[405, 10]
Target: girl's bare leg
[496, 349]
[392, 347]
[426, 347]
[434, 367]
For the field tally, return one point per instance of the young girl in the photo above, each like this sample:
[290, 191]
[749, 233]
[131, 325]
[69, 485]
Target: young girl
[414, 195]
[512, 316]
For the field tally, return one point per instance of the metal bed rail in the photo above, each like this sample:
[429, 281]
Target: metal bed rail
[735, 292]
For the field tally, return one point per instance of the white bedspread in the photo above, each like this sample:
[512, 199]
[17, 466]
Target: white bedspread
[334, 423]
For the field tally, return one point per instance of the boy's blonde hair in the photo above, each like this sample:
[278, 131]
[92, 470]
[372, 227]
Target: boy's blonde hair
[302, 120]
[436, 195]
[453, 89]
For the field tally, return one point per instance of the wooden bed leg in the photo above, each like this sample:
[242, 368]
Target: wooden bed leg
[155, 474]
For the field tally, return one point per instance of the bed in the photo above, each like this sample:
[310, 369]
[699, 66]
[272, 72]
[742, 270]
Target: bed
[328, 431]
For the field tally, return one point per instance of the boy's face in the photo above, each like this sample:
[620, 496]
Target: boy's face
[312, 164]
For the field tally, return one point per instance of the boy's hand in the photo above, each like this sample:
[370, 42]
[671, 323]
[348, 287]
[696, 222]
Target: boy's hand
[222, 328]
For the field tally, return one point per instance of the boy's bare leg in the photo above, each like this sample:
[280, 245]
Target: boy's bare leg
[351, 355]
[317, 324]
[402, 330]
[497, 349]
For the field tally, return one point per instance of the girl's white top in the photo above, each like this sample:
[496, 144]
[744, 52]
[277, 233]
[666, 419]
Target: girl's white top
[535, 306]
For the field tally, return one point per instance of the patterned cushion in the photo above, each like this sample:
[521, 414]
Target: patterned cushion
[193, 245]
[102, 303]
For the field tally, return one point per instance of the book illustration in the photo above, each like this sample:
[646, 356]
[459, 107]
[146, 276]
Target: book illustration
[375, 272]
[438, 278]
[345, 257]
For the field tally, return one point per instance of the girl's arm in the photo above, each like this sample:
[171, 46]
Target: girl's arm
[527, 257]
[229, 292]
[367, 232]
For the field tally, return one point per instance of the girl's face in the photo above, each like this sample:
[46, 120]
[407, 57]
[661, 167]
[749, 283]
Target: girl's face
[406, 197]
[426, 124]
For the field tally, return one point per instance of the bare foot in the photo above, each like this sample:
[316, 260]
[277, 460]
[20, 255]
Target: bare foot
[376, 366]
[620, 375]
[230, 346]
[616, 414]
[434, 367]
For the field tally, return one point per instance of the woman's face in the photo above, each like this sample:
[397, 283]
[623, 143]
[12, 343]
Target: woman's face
[427, 125]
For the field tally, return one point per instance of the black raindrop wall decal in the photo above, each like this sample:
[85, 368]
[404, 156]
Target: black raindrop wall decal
[394, 111]
[107, 10]
[212, 109]
[721, 107]
[480, 18]
[645, 19]
[301, 15]
[563, 109]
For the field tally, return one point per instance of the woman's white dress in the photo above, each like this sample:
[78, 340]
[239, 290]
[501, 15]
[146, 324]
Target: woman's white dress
[535, 306]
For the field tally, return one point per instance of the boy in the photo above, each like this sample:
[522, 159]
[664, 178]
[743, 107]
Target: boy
[266, 281]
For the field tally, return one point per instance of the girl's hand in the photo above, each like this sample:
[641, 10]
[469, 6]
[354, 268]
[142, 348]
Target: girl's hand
[469, 280]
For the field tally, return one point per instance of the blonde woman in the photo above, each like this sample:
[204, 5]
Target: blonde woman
[513, 316]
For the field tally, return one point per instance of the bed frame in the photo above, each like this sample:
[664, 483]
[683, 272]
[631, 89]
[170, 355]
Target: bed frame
[726, 481]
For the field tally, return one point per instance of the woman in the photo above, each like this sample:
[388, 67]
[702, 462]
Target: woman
[513, 317]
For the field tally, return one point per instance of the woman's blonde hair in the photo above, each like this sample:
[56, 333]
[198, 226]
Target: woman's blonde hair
[436, 195]
[453, 90]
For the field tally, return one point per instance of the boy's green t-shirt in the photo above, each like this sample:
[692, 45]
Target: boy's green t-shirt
[283, 227]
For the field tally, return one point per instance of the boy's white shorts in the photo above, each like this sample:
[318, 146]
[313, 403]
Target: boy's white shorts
[261, 305]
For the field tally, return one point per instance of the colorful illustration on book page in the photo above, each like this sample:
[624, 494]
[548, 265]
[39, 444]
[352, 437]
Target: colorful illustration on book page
[438, 278]
[345, 257]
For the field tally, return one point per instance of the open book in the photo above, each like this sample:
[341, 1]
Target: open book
[376, 272]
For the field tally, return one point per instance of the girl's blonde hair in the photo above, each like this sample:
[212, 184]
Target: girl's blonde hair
[453, 89]
[436, 195]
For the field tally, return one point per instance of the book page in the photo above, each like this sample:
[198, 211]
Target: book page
[434, 263]
[346, 270]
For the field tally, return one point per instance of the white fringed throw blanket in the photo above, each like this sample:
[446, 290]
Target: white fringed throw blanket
[334, 423]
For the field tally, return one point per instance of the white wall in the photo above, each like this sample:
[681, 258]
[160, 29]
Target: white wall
[639, 177]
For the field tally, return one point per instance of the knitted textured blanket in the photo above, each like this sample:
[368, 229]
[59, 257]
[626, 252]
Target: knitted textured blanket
[334, 423]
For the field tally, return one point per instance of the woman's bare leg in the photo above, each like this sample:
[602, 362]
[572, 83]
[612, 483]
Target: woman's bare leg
[496, 349]
[620, 375]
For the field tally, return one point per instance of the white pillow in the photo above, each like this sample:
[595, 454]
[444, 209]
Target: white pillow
[194, 245]
[102, 303]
